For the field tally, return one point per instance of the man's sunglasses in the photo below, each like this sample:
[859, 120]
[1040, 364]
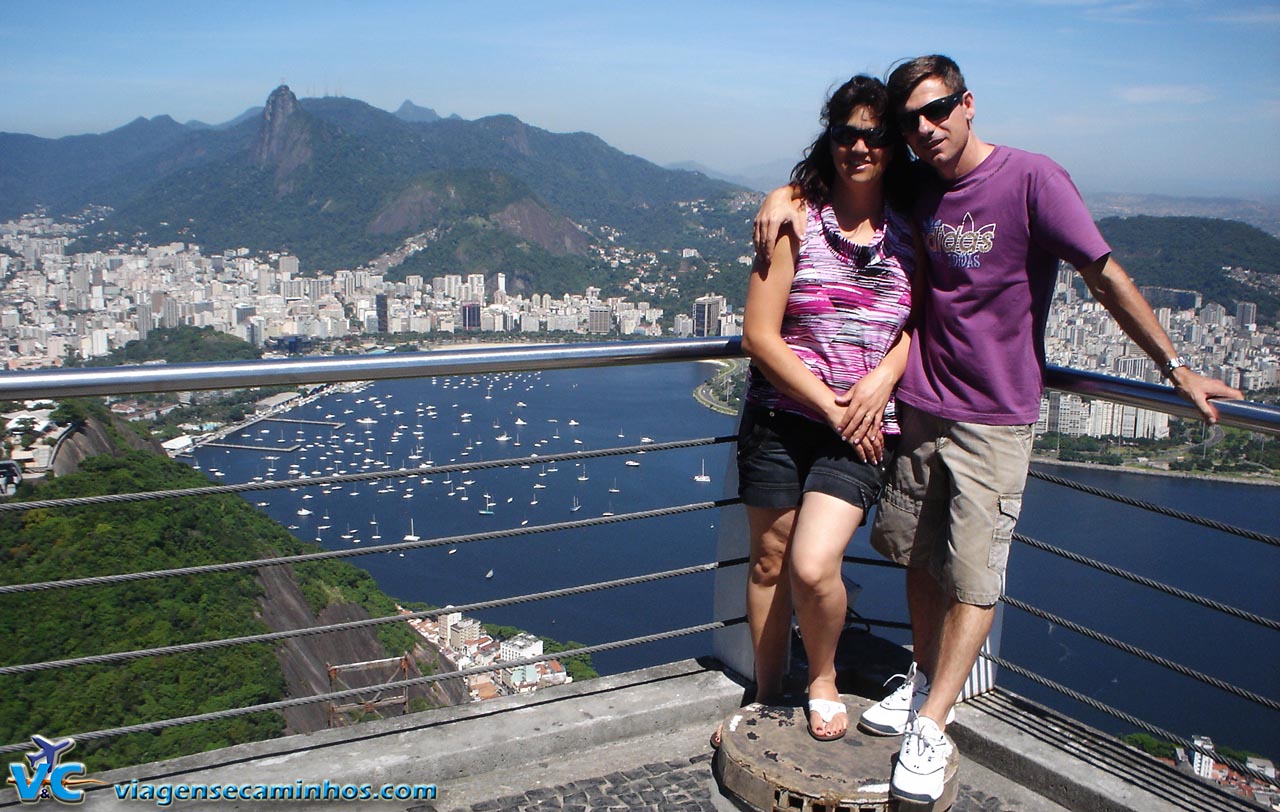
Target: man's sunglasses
[936, 111]
[847, 136]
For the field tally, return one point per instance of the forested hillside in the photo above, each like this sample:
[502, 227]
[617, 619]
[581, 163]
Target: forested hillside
[1191, 252]
[48, 545]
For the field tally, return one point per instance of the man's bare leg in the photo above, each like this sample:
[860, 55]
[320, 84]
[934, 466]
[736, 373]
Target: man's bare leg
[927, 604]
[964, 629]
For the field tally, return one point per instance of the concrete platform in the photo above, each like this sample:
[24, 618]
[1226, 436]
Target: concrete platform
[637, 742]
[768, 760]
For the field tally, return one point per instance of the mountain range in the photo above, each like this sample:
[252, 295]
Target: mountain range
[338, 182]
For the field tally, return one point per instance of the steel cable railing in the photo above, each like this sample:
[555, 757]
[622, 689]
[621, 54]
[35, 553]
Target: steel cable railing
[367, 476]
[1140, 653]
[257, 563]
[1126, 717]
[1185, 595]
[269, 637]
[177, 377]
[354, 693]
[1152, 507]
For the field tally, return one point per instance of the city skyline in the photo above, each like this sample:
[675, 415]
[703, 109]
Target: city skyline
[1176, 97]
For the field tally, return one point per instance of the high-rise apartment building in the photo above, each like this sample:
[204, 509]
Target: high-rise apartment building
[1246, 314]
[599, 319]
[470, 316]
[706, 315]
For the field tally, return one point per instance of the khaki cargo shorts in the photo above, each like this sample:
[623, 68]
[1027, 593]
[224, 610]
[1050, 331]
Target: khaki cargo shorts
[952, 500]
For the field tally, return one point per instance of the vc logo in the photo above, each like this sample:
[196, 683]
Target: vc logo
[43, 777]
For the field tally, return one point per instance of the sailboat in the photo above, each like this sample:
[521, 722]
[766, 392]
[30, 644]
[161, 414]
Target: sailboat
[410, 535]
[576, 507]
[614, 489]
[583, 476]
[487, 510]
[702, 477]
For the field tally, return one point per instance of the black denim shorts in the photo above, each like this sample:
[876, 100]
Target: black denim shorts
[782, 456]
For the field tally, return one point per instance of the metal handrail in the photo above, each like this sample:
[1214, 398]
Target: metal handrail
[65, 383]
[79, 382]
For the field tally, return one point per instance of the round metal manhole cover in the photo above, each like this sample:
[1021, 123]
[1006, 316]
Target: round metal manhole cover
[768, 760]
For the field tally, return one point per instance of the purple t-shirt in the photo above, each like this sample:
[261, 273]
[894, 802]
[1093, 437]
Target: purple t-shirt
[992, 240]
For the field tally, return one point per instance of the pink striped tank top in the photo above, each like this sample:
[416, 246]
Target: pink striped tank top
[847, 304]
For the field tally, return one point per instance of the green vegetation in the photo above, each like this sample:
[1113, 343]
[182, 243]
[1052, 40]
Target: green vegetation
[46, 545]
[1189, 253]
[1189, 447]
[478, 246]
[1164, 749]
[180, 345]
[577, 666]
[1239, 452]
[1150, 744]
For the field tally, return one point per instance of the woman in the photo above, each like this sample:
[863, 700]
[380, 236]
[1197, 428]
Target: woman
[824, 330]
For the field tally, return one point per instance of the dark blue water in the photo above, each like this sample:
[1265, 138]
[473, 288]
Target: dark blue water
[654, 402]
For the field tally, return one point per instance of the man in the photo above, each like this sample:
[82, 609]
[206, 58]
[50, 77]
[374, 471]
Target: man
[994, 221]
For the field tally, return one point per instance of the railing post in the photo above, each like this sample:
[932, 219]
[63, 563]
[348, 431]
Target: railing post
[732, 644]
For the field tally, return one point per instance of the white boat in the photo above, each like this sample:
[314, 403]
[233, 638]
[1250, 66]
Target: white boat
[633, 463]
[576, 507]
[304, 512]
[614, 489]
[367, 421]
[702, 477]
[487, 510]
[410, 535]
[574, 423]
[489, 574]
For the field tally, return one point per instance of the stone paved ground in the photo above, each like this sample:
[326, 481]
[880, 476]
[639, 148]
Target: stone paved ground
[681, 785]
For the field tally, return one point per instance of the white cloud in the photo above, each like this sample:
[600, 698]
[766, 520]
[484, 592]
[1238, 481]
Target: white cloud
[1157, 94]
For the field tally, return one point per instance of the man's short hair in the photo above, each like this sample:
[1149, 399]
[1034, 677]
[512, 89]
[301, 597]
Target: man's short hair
[904, 78]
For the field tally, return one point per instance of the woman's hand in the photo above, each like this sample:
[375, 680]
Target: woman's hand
[781, 207]
[863, 412]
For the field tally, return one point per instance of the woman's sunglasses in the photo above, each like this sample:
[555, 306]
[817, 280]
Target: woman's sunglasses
[936, 111]
[847, 136]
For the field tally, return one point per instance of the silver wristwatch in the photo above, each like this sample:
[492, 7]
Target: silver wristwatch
[1172, 364]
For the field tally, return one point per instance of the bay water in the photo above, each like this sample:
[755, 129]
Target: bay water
[457, 420]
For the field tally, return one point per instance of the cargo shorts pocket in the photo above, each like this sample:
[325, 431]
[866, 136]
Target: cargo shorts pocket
[1009, 507]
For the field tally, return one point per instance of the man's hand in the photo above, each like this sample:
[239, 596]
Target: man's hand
[780, 208]
[1199, 389]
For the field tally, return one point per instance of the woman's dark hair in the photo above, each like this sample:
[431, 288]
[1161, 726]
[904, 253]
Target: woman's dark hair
[816, 172]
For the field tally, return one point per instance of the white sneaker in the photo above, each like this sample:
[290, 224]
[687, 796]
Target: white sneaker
[889, 716]
[922, 761]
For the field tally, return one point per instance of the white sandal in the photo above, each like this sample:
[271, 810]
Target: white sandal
[826, 710]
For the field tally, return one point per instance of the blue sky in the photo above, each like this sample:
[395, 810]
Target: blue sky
[1172, 97]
